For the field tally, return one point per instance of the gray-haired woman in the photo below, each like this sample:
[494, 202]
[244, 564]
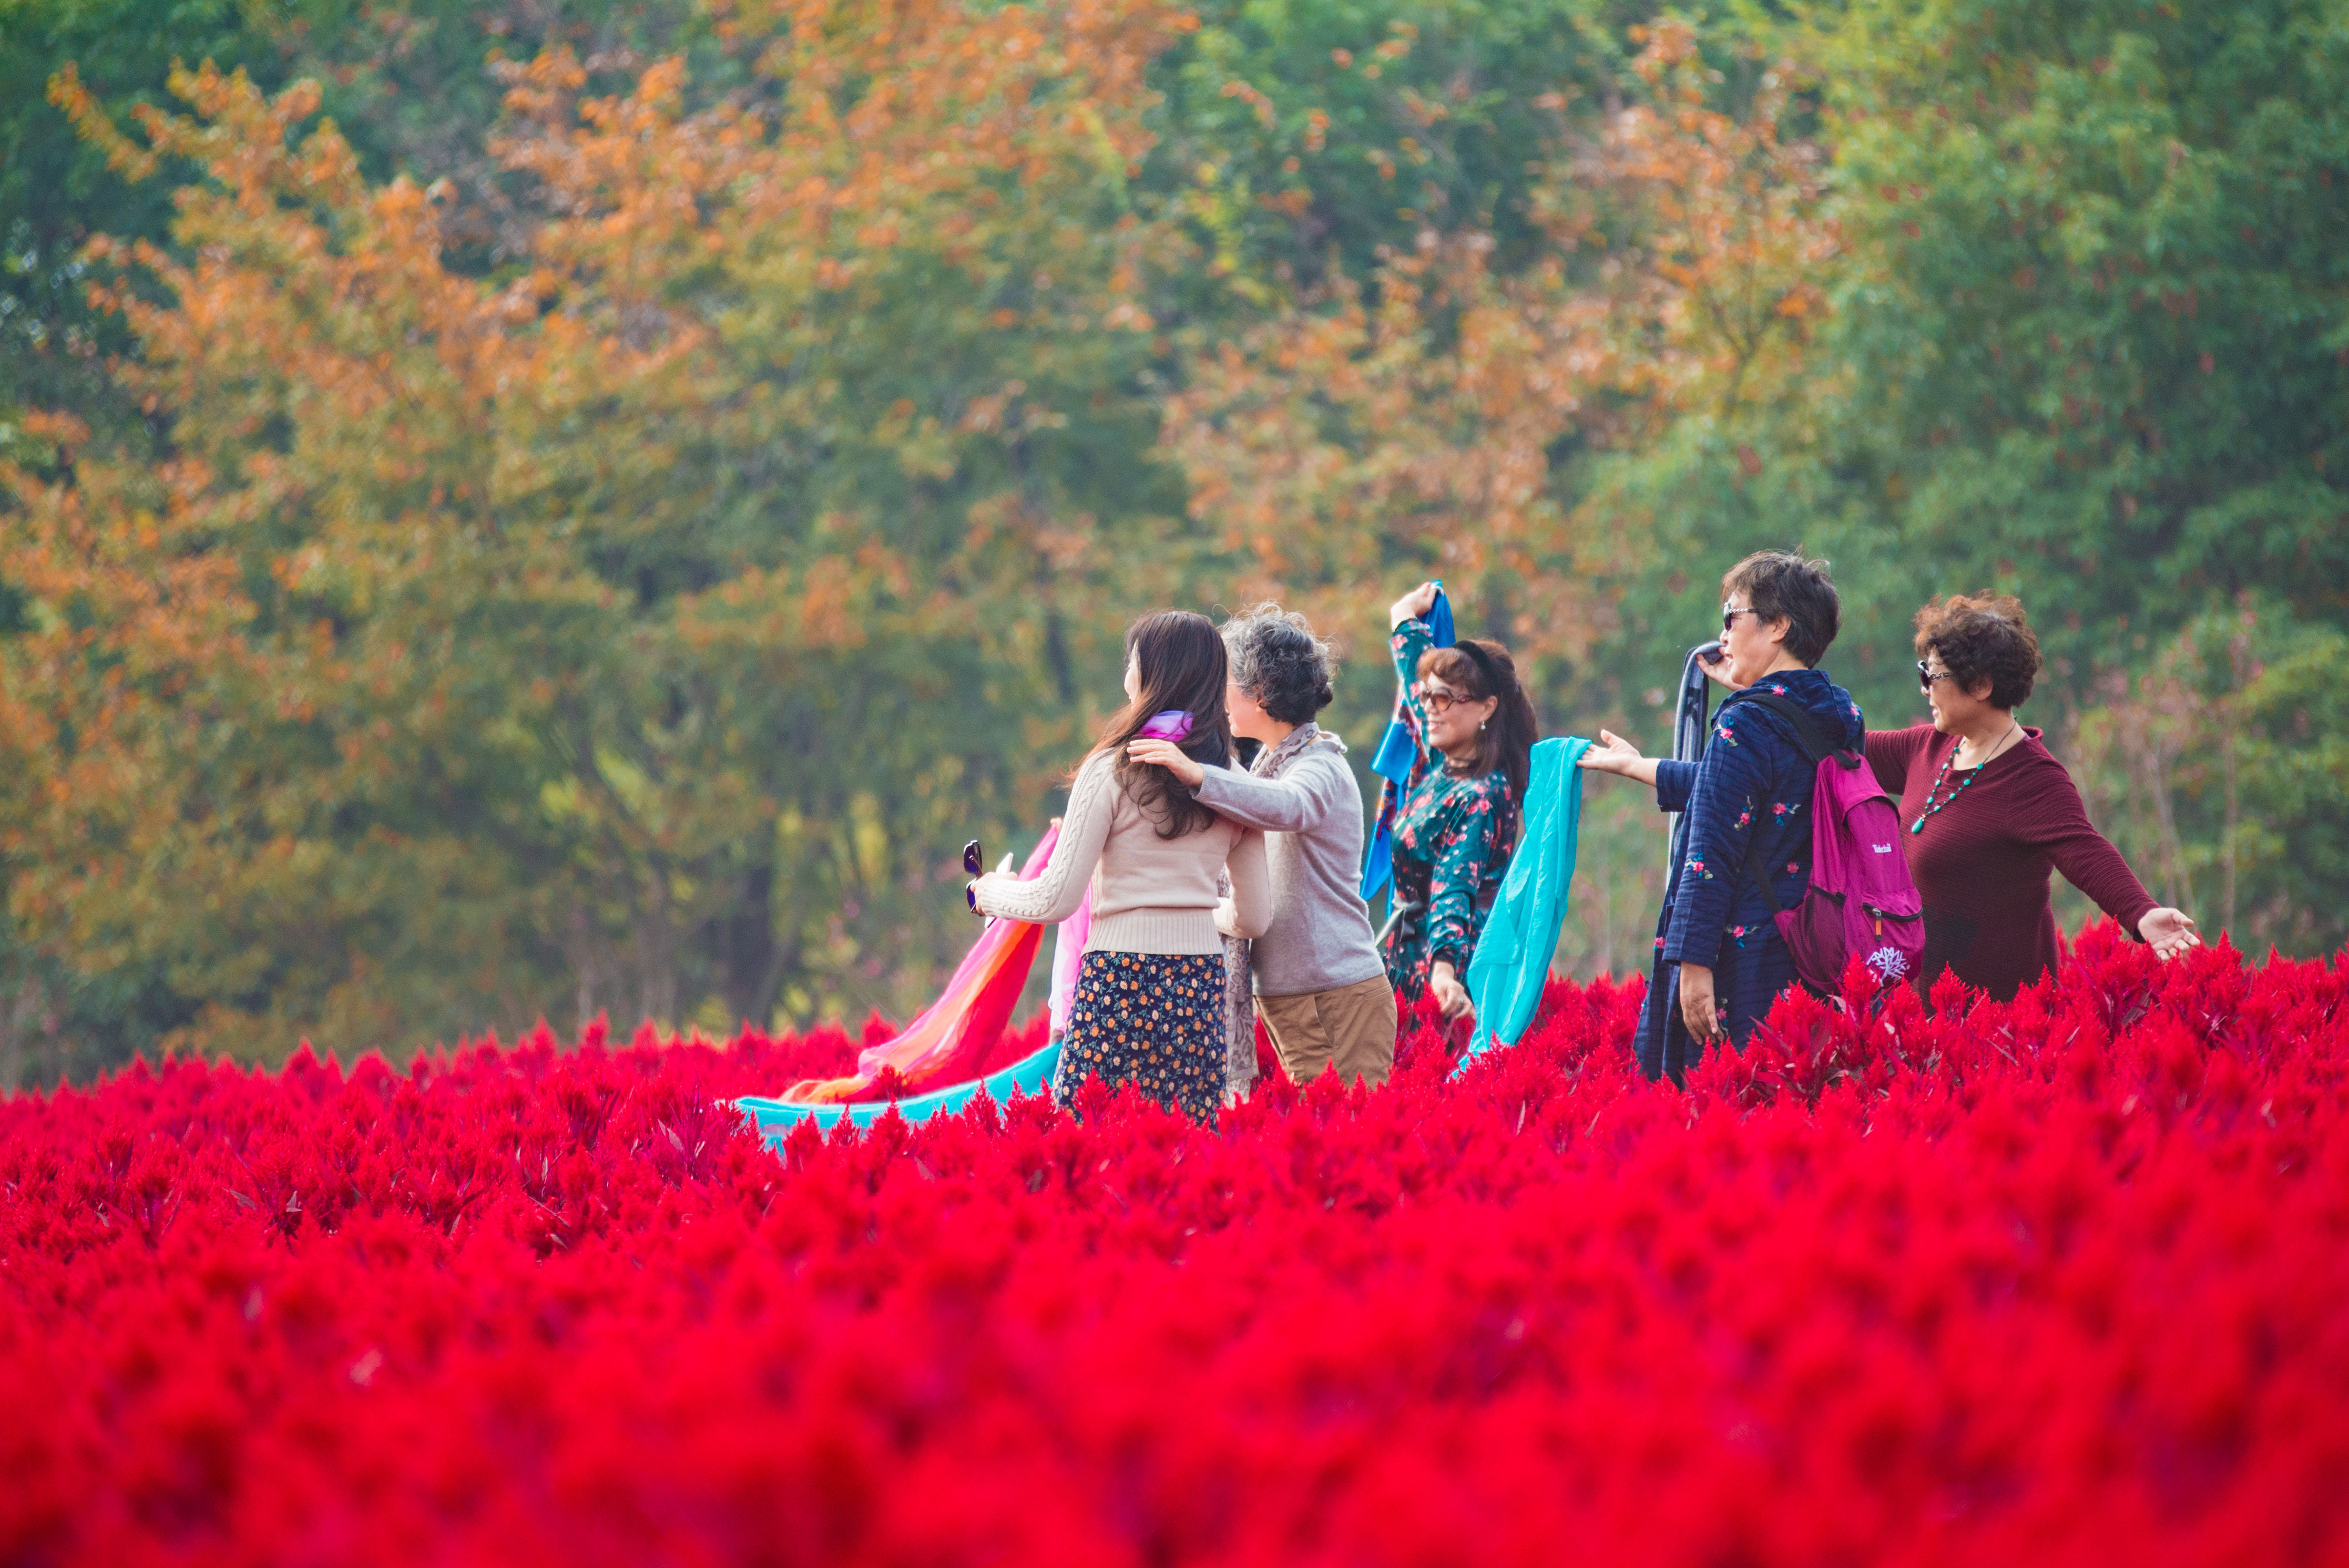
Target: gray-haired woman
[1319, 984]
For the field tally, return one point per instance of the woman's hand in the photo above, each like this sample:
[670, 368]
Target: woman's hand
[1415, 605]
[1699, 1009]
[1717, 669]
[2168, 931]
[1613, 754]
[1170, 757]
[1451, 996]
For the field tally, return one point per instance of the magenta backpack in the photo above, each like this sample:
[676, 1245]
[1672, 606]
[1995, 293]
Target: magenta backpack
[1861, 902]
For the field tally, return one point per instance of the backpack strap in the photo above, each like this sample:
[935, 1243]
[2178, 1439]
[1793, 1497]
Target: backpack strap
[1813, 740]
[1816, 748]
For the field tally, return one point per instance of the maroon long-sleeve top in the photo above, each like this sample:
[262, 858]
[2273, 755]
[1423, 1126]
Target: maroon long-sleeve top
[1981, 862]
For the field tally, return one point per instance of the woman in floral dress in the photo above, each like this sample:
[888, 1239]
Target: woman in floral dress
[1473, 728]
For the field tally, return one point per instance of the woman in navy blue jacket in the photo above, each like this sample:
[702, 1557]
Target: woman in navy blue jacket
[1720, 961]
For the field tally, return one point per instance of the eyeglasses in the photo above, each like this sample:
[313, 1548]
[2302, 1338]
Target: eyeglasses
[1729, 617]
[1439, 701]
[1927, 674]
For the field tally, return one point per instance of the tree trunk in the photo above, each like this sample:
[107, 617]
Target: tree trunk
[656, 943]
[750, 961]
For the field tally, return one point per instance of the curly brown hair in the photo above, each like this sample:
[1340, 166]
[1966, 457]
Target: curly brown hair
[1279, 663]
[1983, 637]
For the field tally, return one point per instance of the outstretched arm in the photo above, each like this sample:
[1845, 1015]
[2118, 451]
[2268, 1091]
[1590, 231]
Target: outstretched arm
[1889, 752]
[1293, 804]
[2059, 825]
[1613, 754]
[1054, 896]
[1673, 781]
[1300, 800]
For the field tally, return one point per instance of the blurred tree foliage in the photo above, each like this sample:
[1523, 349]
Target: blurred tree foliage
[556, 509]
[408, 695]
[2096, 354]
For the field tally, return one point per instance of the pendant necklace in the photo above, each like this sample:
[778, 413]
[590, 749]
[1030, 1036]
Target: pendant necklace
[1933, 807]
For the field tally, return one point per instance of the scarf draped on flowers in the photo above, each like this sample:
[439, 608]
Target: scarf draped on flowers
[1239, 999]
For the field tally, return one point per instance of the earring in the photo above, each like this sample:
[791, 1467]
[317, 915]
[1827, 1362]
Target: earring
[1480, 723]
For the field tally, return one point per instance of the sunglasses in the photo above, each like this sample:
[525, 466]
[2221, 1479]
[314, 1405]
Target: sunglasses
[1927, 674]
[971, 861]
[1438, 700]
[1729, 617]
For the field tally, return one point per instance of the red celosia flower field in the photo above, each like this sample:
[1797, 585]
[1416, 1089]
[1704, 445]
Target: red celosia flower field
[2063, 1281]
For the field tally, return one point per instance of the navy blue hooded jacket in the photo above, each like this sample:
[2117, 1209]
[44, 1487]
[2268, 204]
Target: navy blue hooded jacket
[1748, 801]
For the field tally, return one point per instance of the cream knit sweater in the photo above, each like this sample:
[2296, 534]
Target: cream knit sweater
[1150, 894]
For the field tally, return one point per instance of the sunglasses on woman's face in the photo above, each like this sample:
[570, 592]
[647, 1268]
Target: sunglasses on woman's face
[1438, 700]
[1729, 614]
[1927, 674]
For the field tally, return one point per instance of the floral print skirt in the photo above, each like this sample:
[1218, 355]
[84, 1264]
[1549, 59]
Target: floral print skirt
[1155, 1020]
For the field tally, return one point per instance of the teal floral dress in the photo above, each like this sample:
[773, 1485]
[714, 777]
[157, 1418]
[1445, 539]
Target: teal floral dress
[1452, 843]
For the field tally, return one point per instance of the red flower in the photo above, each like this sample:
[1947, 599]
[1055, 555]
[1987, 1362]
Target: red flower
[2059, 1277]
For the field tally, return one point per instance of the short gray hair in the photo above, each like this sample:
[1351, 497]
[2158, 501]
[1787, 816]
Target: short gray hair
[1277, 660]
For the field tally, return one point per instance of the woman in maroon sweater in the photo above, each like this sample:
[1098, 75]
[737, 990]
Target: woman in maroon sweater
[1987, 811]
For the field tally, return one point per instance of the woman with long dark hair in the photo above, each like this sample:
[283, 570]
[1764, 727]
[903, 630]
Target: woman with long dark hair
[1473, 727]
[1149, 1008]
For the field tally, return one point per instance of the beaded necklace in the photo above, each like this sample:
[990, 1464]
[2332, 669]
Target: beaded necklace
[1933, 807]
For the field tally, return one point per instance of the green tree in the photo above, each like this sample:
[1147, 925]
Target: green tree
[1292, 138]
[57, 192]
[2093, 336]
[2093, 350]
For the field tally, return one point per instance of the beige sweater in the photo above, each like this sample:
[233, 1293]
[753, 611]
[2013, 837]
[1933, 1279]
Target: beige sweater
[1150, 894]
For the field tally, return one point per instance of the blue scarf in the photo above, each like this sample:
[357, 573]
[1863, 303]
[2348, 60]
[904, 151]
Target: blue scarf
[1512, 960]
[1393, 762]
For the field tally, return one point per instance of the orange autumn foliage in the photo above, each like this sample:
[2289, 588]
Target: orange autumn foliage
[546, 641]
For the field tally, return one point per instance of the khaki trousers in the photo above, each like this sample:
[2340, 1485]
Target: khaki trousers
[1351, 1028]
